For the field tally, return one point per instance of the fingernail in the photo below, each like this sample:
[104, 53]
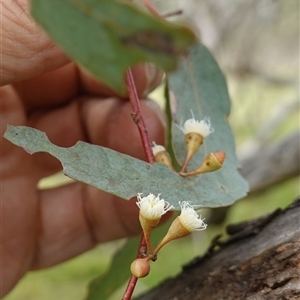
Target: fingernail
[154, 77]
[157, 110]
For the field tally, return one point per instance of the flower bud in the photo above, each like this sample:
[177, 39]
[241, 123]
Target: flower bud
[161, 155]
[140, 267]
[212, 162]
[193, 141]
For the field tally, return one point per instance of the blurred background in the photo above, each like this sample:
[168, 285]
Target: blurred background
[256, 43]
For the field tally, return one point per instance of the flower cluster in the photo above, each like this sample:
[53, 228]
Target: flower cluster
[151, 209]
[195, 132]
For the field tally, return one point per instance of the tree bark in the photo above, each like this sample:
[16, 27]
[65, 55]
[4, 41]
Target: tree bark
[259, 261]
[277, 162]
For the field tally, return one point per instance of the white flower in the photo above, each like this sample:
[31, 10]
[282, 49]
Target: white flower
[189, 218]
[157, 148]
[202, 127]
[152, 207]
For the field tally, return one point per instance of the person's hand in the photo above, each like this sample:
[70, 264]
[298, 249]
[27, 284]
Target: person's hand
[42, 88]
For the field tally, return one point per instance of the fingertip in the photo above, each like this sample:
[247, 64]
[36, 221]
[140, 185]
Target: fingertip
[27, 51]
[109, 123]
[146, 77]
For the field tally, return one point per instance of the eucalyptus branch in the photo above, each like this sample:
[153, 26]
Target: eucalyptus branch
[138, 117]
[172, 13]
[151, 8]
[133, 280]
[140, 122]
[130, 288]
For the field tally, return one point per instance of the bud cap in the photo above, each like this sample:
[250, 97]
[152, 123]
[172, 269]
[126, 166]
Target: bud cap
[220, 156]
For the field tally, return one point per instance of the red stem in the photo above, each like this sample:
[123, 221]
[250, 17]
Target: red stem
[133, 280]
[140, 122]
[138, 117]
[130, 288]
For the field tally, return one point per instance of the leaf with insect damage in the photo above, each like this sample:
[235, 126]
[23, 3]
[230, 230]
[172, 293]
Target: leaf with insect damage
[107, 36]
[120, 174]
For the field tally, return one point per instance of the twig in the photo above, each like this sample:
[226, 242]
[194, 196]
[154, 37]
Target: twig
[173, 13]
[130, 288]
[151, 8]
[140, 122]
[133, 280]
[154, 11]
[138, 117]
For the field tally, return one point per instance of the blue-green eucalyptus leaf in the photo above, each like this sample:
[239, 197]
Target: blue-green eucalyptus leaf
[198, 87]
[120, 174]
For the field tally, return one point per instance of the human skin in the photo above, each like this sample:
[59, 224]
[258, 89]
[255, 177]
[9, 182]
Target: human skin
[42, 88]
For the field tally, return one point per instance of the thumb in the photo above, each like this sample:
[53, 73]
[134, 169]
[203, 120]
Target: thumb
[26, 50]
